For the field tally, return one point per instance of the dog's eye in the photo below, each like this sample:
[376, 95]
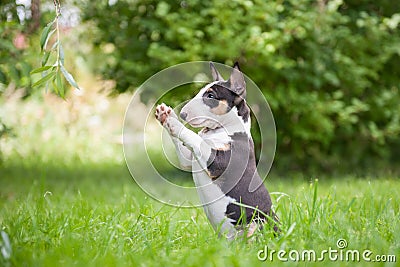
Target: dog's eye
[210, 95]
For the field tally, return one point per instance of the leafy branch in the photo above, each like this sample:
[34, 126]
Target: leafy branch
[53, 72]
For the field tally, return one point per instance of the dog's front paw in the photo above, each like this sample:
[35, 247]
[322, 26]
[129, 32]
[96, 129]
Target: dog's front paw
[162, 113]
[167, 117]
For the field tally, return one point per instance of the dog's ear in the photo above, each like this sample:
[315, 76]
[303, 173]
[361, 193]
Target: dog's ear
[214, 72]
[236, 81]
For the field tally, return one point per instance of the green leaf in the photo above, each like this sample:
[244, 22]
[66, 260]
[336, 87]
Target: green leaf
[44, 79]
[3, 77]
[48, 38]
[60, 85]
[41, 69]
[45, 58]
[61, 54]
[54, 46]
[69, 77]
[45, 34]
[55, 86]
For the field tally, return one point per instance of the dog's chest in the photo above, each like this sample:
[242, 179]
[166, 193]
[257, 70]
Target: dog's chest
[217, 139]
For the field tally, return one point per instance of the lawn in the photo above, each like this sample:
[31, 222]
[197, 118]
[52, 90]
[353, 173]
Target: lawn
[95, 215]
[66, 200]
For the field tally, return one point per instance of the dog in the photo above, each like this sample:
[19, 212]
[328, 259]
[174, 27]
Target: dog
[221, 156]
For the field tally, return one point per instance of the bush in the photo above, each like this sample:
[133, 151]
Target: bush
[329, 69]
[13, 69]
[19, 46]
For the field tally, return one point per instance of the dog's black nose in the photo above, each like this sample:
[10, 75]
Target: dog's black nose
[183, 115]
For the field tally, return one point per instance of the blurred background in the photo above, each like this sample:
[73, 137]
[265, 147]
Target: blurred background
[329, 70]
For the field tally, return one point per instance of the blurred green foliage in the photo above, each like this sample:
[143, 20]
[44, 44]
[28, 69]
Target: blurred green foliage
[14, 65]
[329, 69]
[14, 68]
[20, 45]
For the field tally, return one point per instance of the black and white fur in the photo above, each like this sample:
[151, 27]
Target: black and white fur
[221, 156]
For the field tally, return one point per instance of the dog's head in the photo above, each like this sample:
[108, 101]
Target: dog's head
[219, 103]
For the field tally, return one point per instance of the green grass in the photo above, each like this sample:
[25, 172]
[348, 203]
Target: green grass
[95, 215]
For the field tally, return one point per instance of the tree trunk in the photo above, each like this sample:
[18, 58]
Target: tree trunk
[35, 10]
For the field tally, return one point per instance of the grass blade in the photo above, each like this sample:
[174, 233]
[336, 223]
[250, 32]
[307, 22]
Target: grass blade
[314, 199]
[6, 248]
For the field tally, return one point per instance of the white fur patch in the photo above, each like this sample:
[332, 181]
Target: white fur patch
[215, 203]
[217, 138]
[233, 123]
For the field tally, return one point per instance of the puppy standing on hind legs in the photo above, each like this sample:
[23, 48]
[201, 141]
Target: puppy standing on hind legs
[221, 156]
